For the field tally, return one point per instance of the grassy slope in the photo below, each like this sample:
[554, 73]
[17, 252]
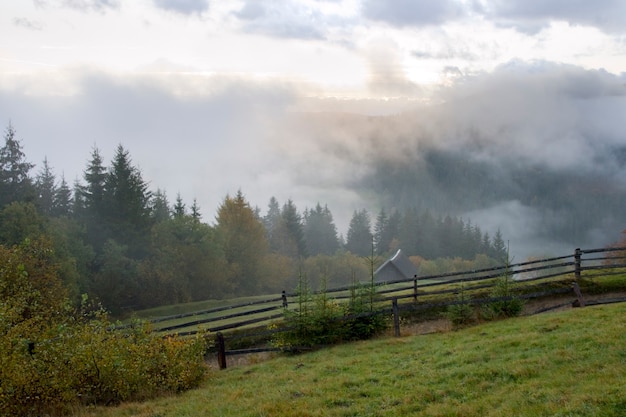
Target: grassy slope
[570, 363]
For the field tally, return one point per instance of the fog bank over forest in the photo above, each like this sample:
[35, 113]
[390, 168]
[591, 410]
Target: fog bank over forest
[534, 148]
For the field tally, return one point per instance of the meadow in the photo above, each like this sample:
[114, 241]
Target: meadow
[567, 363]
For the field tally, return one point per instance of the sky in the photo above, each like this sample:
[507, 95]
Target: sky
[275, 97]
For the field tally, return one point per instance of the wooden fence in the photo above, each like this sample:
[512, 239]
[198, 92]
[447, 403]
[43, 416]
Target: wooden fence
[533, 279]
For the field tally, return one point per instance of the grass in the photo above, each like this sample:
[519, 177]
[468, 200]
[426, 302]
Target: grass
[185, 308]
[589, 286]
[174, 309]
[569, 363]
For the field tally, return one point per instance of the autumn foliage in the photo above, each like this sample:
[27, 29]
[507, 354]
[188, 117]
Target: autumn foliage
[54, 357]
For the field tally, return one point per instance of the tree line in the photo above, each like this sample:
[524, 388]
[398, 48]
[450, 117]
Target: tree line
[130, 248]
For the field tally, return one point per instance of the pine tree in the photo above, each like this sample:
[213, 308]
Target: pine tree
[195, 211]
[160, 207]
[294, 226]
[62, 205]
[499, 251]
[46, 188]
[179, 207]
[386, 230]
[359, 239]
[320, 232]
[272, 219]
[15, 184]
[92, 194]
[379, 232]
[127, 202]
[485, 245]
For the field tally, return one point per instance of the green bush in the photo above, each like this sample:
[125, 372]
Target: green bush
[54, 358]
[462, 313]
[323, 321]
[510, 305]
[364, 325]
[86, 363]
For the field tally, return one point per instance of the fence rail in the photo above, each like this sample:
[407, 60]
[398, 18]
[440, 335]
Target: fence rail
[534, 279]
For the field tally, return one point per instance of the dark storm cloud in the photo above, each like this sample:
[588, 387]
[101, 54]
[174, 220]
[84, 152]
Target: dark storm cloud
[413, 13]
[526, 15]
[185, 7]
[81, 5]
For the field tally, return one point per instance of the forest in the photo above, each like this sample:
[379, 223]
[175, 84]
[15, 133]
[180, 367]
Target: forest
[128, 247]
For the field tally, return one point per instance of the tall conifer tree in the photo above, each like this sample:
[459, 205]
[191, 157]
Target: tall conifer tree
[15, 183]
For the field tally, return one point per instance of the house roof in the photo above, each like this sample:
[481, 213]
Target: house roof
[400, 263]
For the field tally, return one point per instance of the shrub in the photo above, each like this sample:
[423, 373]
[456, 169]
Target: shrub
[320, 320]
[53, 358]
[461, 313]
[361, 325]
[508, 305]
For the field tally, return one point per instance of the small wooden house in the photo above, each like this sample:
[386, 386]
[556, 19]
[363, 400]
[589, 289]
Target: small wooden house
[398, 267]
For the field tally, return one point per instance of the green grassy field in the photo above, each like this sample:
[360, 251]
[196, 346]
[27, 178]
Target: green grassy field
[570, 363]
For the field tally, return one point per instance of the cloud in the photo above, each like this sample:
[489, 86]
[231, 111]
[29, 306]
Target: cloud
[539, 110]
[185, 7]
[534, 143]
[456, 49]
[413, 13]
[206, 140]
[527, 16]
[80, 5]
[387, 75]
[519, 224]
[527, 130]
[284, 19]
[531, 15]
[27, 23]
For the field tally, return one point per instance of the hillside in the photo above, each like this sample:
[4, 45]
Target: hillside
[563, 363]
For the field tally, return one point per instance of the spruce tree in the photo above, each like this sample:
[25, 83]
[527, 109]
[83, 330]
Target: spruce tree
[272, 219]
[15, 184]
[195, 211]
[499, 250]
[46, 188]
[320, 232]
[179, 207]
[92, 193]
[379, 232]
[127, 202]
[159, 207]
[359, 239]
[294, 226]
[62, 205]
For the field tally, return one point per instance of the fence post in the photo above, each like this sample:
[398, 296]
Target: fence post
[415, 289]
[221, 351]
[577, 254]
[579, 295]
[284, 299]
[396, 317]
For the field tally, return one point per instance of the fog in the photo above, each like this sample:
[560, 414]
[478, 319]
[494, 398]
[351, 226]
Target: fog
[522, 148]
